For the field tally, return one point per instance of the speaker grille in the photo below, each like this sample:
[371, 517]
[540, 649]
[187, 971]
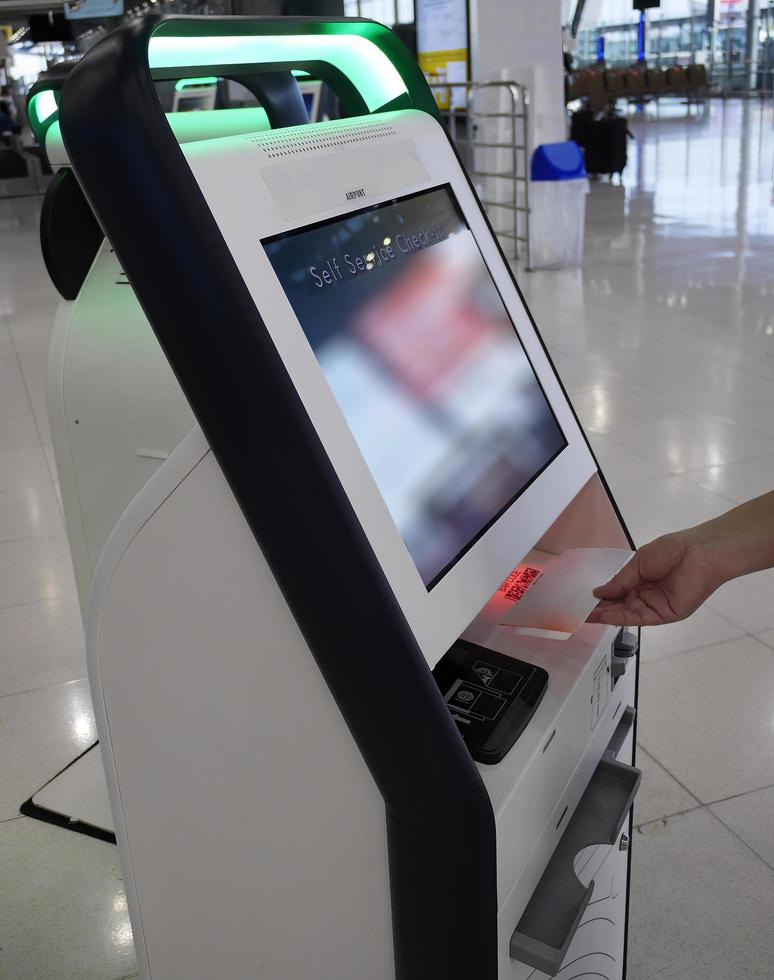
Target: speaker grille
[323, 136]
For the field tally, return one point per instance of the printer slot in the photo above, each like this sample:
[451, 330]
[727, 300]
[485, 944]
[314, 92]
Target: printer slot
[621, 733]
[546, 929]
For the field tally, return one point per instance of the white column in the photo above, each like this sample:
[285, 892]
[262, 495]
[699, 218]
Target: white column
[751, 44]
[521, 39]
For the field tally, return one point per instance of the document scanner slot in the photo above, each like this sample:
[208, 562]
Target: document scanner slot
[491, 697]
[551, 919]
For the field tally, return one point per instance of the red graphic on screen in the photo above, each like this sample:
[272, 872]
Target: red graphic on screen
[426, 327]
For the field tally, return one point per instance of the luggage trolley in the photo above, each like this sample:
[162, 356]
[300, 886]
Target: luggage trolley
[328, 755]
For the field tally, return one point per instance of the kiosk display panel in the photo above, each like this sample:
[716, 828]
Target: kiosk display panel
[425, 379]
[421, 354]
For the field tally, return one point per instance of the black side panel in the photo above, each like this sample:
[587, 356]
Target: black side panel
[441, 827]
[52, 78]
[329, 8]
[69, 234]
[251, 79]
[440, 886]
[279, 95]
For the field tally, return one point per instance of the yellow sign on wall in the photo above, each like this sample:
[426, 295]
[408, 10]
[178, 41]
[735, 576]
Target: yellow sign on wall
[442, 47]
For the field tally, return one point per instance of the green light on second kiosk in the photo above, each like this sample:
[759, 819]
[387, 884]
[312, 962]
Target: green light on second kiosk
[42, 107]
[184, 83]
[188, 127]
[362, 61]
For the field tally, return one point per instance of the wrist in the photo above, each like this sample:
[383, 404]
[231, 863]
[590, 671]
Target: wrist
[716, 551]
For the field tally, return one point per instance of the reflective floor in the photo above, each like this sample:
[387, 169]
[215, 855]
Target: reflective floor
[666, 341]
[63, 909]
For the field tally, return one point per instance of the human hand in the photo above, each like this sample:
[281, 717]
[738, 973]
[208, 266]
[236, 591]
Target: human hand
[665, 581]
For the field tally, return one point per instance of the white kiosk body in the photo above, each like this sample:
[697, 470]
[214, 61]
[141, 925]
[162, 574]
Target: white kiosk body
[327, 757]
[114, 405]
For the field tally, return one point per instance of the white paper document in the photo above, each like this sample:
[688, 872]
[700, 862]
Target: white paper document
[559, 602]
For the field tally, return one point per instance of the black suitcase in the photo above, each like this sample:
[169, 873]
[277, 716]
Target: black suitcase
[12, 163]
[602, 139]
[581, 123]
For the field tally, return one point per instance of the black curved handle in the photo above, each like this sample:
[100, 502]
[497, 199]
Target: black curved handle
[146, 198]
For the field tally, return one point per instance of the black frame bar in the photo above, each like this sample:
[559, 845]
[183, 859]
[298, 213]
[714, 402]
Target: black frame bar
[137, 180]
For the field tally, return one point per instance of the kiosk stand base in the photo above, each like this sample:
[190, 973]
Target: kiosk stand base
[76, 798]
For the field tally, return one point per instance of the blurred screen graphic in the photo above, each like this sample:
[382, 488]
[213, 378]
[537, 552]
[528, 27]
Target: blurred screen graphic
[424, 361]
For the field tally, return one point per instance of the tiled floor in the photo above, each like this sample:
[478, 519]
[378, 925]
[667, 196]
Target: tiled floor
[666, 341]
[63, 911]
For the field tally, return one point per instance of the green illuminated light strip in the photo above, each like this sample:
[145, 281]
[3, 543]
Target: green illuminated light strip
[210, 124]
[45, 104]
[42, 107]
[189, 127]
[183, 83]
[53, 142]
[367, 67]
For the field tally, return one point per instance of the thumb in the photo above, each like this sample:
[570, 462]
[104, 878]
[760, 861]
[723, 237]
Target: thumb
[622, 582]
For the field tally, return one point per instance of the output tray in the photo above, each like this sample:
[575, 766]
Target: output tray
[551, 919]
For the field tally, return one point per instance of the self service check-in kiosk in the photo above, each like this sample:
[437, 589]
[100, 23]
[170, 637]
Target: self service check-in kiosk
[330, 752]
[115, 408]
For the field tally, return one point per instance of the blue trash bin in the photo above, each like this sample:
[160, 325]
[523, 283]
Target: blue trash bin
[558, 190]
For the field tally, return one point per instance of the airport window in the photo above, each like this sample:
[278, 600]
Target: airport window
[682, 32]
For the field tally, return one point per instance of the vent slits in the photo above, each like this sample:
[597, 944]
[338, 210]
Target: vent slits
[326, 136]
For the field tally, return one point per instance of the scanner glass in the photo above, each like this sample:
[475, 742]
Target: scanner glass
[425, 363]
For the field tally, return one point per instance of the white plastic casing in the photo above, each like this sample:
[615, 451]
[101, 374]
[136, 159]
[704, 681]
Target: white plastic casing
[252, 836]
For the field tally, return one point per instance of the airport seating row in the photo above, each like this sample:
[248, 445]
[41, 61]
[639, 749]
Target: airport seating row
[602, 86]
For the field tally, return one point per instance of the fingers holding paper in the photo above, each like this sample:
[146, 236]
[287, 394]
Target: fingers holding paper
[641, 607]
[664, 582]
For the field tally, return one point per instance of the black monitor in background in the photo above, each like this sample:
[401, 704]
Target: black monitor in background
[313, 8]
[408, 34]
[49, 27]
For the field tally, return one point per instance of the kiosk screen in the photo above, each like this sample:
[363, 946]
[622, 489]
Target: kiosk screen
[424, 361]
